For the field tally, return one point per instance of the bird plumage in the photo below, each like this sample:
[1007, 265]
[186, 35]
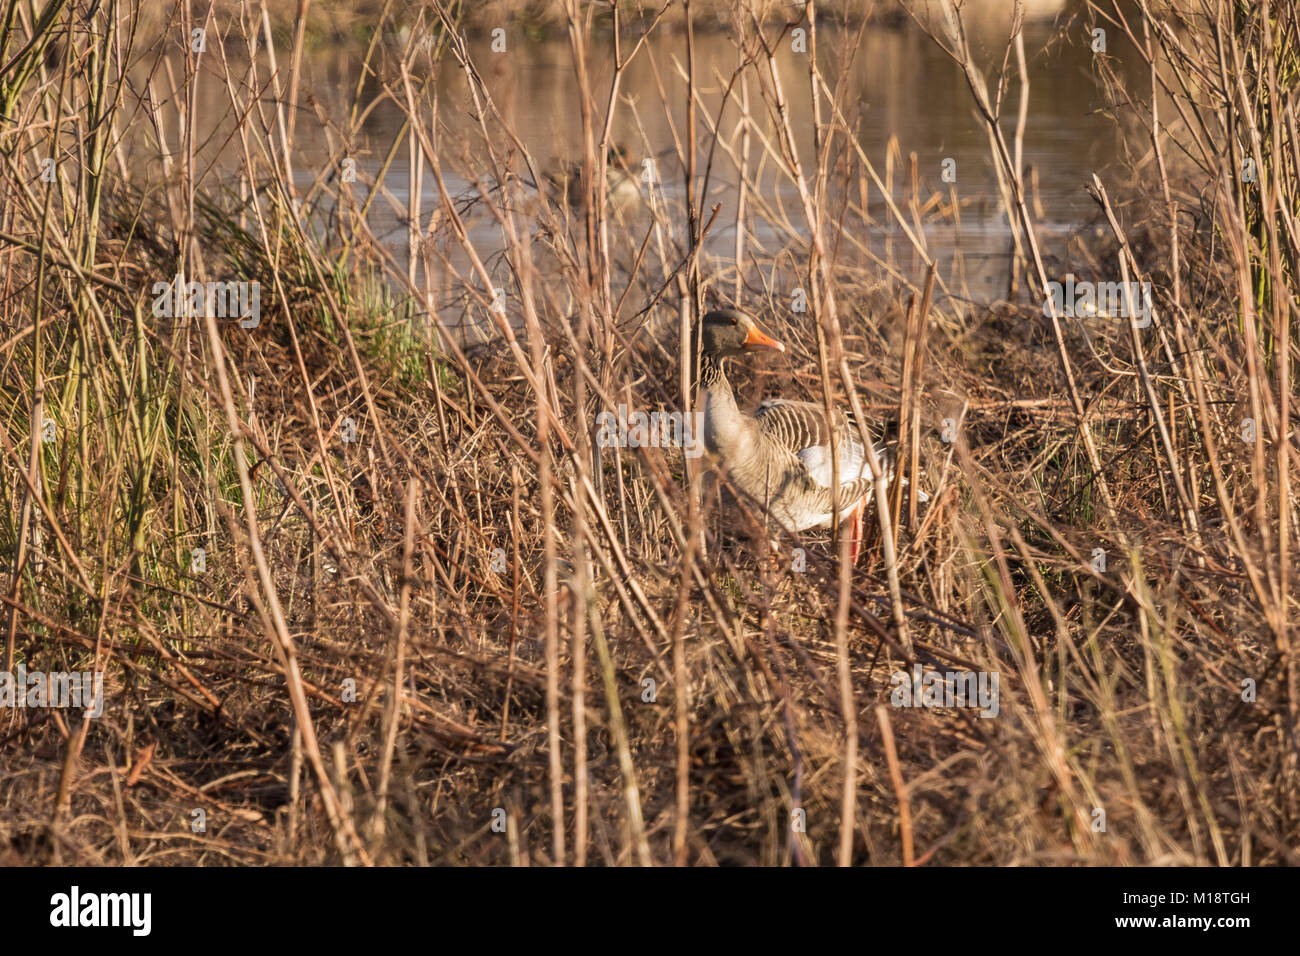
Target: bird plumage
[621, 188]
[800, 427]
[781, 455]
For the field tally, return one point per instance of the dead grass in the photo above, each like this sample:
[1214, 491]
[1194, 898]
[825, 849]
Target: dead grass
[471, 637]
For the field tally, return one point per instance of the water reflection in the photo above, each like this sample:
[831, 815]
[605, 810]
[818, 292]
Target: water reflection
[906, 89]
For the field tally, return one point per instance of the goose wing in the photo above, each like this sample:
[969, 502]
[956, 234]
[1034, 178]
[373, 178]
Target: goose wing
[796, 426]
[800, 428]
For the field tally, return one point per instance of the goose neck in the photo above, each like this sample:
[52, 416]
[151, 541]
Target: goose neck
[714, 379]
[723, 422]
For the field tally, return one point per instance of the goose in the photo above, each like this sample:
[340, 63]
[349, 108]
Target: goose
[622, 188]
[781, 455]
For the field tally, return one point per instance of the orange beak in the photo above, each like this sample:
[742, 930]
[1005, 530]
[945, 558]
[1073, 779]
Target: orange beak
[757, 339]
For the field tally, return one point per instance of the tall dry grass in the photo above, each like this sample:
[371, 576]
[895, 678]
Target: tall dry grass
[471, 635]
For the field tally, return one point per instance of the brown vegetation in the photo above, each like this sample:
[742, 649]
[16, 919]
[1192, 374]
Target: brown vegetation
[498, 591]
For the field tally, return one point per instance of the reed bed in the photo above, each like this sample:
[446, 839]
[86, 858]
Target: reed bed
[365, 589]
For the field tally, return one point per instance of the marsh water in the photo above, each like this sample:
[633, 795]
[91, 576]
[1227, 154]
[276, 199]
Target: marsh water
[906, 88]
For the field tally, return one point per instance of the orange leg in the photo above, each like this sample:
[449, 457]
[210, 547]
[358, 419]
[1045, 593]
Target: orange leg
[855, 542]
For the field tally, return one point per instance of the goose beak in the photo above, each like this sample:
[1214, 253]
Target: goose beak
[756, 340]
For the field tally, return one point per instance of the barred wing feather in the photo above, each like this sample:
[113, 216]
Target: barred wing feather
[797, 425]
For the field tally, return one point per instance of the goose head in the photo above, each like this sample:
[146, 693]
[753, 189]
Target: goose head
[729, 332]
